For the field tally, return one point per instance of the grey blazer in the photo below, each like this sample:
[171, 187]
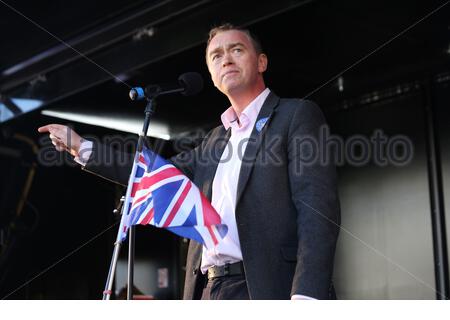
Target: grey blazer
[287, 206]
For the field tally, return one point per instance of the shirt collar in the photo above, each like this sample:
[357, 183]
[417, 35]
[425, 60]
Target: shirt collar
[248, 116]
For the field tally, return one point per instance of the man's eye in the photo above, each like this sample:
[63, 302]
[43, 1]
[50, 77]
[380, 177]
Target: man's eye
[237, 50]
[214, 57]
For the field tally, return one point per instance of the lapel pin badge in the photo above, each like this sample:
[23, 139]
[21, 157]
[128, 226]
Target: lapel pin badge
[260, 124]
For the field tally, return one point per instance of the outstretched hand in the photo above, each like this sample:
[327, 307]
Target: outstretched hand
[63, 138]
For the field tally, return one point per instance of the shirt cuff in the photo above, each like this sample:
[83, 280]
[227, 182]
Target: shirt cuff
[84, 153]
[301, 297]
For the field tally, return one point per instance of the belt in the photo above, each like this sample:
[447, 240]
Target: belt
[228, 269]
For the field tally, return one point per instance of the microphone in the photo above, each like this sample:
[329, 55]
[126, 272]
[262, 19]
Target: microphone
[189, 83]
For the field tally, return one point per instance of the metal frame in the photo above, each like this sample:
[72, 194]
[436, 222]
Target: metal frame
[436, 197]
[114, 48]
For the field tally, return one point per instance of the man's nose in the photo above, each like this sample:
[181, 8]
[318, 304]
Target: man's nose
[227, 59]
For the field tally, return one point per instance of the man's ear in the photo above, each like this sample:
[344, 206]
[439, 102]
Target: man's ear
[262, 63]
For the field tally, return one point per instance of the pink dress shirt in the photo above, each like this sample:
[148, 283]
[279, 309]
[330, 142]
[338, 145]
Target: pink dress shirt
[225, 182]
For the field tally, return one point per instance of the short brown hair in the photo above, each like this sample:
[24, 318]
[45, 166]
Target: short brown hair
[228, 27]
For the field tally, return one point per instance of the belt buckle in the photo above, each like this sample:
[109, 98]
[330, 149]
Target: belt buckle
[217, 272]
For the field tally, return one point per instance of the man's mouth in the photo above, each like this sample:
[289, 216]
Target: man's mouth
[229, 73]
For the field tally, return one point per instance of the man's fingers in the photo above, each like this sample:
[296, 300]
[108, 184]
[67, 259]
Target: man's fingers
[59, 148]
[51, 127]
[46, 128]
[58, 143]
[62, 137]
[54, 137]
[57, 134]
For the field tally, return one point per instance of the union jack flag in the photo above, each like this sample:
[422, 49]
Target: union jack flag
[165, 198]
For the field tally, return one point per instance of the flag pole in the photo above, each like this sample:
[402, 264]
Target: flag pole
[149, 110]
[112, 269]
[130, 275]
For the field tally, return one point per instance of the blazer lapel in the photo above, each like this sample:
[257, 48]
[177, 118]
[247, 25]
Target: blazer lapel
[254, 143]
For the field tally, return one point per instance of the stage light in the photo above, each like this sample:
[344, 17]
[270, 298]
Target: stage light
[121, 122]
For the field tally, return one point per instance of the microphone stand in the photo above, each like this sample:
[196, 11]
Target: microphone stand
[149, 110]
[189, 83]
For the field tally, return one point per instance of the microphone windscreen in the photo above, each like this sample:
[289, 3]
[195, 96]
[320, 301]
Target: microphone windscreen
[137, 93]
[192, 83]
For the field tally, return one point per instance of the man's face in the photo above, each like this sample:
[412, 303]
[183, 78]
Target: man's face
[233, 62]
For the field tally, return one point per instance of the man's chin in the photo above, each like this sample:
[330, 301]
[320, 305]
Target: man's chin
[231, 88]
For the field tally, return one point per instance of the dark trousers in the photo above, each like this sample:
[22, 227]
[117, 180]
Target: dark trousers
[226, 288]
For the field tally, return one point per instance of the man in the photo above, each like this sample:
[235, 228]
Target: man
[282, 214]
